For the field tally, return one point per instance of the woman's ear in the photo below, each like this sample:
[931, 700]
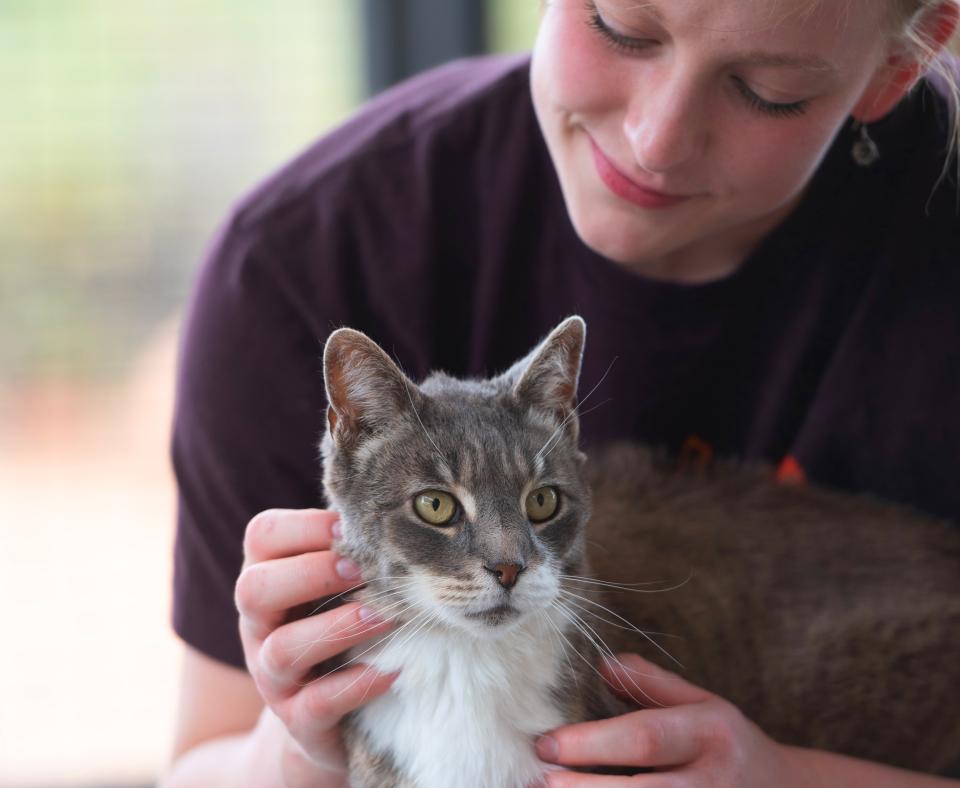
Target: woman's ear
[906, 65]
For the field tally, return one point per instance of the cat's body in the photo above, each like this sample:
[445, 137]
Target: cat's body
[830, 620]
[464, 707]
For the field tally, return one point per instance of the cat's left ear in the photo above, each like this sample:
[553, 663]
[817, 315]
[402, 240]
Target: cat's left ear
[547, 377]
[367, 393]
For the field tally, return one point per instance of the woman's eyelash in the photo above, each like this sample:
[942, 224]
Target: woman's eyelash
[769, 107]
[627, 44]
[612, 37]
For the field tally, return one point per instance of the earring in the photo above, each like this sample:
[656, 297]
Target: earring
[865, 151]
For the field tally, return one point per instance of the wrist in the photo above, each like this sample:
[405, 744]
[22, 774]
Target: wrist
[803, 766]
[821, 769]
[273, 744]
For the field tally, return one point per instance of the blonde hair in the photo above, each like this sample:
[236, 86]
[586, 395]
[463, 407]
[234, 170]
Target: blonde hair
[908, 23]
[910, 28]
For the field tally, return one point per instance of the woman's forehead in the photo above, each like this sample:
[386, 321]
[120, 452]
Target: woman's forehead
[827, 34]
[754, 16]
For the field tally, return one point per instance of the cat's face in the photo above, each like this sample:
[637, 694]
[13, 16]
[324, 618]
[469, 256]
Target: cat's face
[465, 499]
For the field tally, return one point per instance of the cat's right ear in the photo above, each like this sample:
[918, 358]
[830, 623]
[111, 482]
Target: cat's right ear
[366, 391]
[547, 378]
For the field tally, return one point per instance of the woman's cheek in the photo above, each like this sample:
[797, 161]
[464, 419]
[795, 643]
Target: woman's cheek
[571, 68]
[773, 165]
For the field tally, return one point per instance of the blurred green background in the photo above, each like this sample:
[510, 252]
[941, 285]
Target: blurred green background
[127, 132]
[128, 129]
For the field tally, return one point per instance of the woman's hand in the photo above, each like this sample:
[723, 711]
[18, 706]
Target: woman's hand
[287, 565]
[691, 737]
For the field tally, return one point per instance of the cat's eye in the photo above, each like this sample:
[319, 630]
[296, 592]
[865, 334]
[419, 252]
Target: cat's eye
[435, 507]
[542, 504]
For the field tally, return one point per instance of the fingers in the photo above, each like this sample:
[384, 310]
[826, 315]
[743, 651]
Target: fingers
[266, 591]
[670, 733]
[290, 651]
[288, 565]
[648, 684]
[651, 737]
[580, 780]
[278, 533]
[320, 705]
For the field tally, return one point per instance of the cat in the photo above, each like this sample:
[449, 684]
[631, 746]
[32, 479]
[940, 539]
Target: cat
[832, 620]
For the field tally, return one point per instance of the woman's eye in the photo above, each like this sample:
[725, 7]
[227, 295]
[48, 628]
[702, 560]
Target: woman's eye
[542, 504]
[616, 40]
[772, 108]
[435, 507]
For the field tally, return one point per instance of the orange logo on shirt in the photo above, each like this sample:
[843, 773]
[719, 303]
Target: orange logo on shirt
[790, 471]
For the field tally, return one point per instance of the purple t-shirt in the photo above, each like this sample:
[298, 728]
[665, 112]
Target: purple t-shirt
[433, 221]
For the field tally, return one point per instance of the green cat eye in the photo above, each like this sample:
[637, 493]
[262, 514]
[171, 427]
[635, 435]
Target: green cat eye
[542, 504]
[435, 507]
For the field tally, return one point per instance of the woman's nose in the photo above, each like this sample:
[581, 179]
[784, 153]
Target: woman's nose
[662, 128]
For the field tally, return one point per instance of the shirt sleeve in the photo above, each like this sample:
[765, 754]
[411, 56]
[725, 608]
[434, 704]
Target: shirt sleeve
[248, 417]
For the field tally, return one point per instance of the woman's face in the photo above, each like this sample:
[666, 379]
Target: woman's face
[684, 130]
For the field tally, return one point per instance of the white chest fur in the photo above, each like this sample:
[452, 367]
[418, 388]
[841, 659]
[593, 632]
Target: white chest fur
[465, 710]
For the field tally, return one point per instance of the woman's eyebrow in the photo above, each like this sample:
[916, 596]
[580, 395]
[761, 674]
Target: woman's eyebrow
[648, 8]
[757, 58]
[805, 62]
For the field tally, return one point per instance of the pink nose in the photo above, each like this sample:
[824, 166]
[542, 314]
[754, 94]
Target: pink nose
[506, 573]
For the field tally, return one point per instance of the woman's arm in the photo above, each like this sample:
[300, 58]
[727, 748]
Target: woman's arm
[225, 736]
[217, 730]
[278, 725]
[822, 769]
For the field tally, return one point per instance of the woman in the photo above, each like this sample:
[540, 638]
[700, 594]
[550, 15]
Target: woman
[743, 198]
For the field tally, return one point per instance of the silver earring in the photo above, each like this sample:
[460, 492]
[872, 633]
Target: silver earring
[865, 151]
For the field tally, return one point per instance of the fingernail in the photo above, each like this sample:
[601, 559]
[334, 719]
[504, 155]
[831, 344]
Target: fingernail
[347, 569]
[547, 748]
[369, 615]
[336, 529]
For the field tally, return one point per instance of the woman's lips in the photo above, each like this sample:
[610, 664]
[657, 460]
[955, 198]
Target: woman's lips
[623, 187]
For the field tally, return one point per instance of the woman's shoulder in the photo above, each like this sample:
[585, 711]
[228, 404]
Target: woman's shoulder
[423, 121]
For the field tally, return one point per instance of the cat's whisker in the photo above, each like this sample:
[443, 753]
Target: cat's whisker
[377, 597]
[540, 454]
[561, 608]
[304, 646]
[431, 616]
[632, 587]
[385, 593]
[429, 619]
[626, 623]
[631, 628]
[327, 600]
[629, 624]
[362, 626]
[342, 594]
[611, 657]
[605, 651]
[406, 388]
[356, 658]
[592, 408]
[589, 632]
[563, 650]
[355, 629]
[597, 641]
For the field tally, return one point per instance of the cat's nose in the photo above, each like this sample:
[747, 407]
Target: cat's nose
[506, 574]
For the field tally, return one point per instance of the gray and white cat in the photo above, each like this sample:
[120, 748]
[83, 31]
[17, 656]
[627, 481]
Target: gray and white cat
[831, 620]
